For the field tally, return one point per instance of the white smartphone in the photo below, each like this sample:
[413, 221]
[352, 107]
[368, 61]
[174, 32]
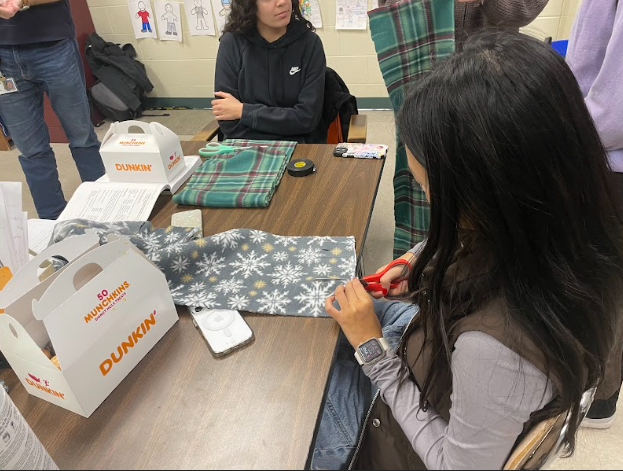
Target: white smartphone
[224, 330]
[191, 218]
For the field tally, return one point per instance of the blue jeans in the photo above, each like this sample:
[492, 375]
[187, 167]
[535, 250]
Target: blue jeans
[56, 70]
[351, 392]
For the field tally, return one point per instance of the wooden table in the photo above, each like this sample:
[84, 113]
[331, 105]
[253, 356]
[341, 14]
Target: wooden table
[255, 409]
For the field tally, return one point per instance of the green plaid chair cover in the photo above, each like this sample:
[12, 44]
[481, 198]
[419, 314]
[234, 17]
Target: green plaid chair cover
[409, 37]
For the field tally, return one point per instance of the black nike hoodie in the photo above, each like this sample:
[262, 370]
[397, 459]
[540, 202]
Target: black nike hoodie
[281, 84]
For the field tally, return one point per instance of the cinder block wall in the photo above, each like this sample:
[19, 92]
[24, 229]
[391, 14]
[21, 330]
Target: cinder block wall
[186, 70]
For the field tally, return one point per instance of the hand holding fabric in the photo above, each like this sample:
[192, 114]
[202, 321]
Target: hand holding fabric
[356, 315]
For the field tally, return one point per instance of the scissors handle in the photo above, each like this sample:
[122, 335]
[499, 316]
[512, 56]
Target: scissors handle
[213, 148]
[372, 283]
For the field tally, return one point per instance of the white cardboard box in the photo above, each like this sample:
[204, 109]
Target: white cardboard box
[154, 156]
[103, 313]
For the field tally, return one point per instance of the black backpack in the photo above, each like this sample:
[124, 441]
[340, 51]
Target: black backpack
[122, 80]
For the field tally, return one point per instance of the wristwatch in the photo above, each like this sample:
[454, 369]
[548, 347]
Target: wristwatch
[372, 351]
[25, 5]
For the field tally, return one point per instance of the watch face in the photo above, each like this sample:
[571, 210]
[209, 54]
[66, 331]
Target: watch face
[371, 350]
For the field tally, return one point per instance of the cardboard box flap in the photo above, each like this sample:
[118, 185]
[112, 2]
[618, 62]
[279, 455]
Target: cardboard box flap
[153, 133]
[15, 340]
[103, 294]
[76, 276]
[27, 278]
[21, 311]
[117, 128]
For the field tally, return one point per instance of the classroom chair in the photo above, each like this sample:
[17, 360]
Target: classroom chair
[545, 442]
[337, 100]
[358, 131]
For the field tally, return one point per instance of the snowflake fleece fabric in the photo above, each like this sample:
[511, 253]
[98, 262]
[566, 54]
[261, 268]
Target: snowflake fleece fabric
[241, 269]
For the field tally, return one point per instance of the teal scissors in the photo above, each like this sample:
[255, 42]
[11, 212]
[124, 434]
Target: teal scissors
[216, 148]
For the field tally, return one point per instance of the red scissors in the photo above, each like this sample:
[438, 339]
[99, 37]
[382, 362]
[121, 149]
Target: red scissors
[372, 283]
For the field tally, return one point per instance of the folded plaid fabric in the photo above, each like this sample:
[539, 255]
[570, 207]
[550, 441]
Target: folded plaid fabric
[410, 36]
[246, 179]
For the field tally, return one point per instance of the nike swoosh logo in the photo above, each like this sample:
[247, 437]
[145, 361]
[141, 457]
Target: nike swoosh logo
[294, 70]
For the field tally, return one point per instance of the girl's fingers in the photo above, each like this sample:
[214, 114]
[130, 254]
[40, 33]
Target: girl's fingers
[359, 289]
[340, 295]
[330, 308]
[351, 294]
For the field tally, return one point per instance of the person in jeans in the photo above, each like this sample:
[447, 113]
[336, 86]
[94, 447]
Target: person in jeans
[596, 57]
[38, 49]
[512, 303]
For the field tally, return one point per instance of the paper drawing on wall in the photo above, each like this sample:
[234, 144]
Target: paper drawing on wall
[142, 18]
[200, 17]
[201, 14]
[144, 15]
[226, 8]
[351, 14]
[221, 8]
[311, 11]
[169, 20]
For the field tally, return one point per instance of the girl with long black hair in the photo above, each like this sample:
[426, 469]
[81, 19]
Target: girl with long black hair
[516, 295]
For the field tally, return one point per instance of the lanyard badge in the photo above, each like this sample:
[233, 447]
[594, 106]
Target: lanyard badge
[7, 85]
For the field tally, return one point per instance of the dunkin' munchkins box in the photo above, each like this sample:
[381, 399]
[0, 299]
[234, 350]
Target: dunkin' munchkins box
[102, 313]
[151, 156]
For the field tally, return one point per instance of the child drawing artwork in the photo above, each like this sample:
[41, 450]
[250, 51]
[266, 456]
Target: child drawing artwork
[222, 9]
[143, 19]
[306, 9]
[226, 7]
[171, 20]
[200, 18]
[168, 15]
[143, 14]
[201, 13]
[311, 11]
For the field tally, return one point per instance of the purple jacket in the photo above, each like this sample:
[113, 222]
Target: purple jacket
[596, 57]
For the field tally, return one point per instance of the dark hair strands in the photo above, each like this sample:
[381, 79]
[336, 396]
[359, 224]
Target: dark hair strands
[242, 19]
[513, 155]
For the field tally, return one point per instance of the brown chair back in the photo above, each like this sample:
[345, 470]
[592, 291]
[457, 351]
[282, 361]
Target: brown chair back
[545, 442]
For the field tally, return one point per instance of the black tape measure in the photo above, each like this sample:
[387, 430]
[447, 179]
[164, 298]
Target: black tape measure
[301, 168]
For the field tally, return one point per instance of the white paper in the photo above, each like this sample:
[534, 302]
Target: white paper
[221, 13]
[200, 18]
[351, 14]
[13, 231]
[113, 202]
[142, 18]
[19, 446]
[39, 234]
[311, 11]
[169, 20]
[193, 162]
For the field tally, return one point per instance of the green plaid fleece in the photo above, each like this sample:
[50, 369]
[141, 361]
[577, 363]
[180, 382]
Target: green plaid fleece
[246, 179]
[410, 36]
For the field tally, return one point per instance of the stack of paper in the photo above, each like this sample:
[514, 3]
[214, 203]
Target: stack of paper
[13, 227]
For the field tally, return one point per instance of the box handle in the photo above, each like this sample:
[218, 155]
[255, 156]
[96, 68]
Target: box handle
[125, 126]
[14, 332]
[86, 274]
[16, 340]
